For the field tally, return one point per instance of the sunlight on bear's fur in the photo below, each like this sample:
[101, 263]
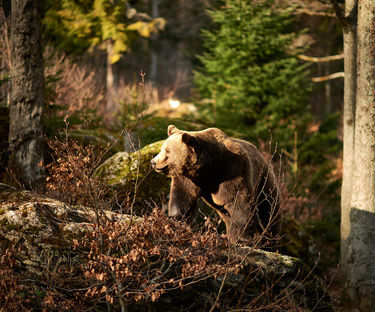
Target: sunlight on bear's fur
[229, 174]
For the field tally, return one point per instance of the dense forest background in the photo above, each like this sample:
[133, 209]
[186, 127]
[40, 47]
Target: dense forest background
[93, 63]
[117, 73]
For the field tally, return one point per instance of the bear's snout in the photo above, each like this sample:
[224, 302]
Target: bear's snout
[158, 165]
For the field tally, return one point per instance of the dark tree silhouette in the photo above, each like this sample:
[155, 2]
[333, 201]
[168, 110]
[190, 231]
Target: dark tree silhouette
[27, 95]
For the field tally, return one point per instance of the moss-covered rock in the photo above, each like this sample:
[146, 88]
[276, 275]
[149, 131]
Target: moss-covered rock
[131, 174]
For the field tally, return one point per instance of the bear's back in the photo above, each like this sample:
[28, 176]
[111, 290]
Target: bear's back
[262, 173]
[248, 150]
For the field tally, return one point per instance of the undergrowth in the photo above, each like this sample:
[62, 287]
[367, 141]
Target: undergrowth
[71, 169]
[127, 263]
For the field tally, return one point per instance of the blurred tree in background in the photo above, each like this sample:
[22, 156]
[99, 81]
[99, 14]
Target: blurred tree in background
[110, 25]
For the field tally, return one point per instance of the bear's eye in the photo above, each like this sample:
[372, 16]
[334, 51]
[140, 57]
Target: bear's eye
[167, 150]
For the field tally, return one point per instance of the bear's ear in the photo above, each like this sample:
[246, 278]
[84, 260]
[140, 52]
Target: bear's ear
[171, 129]
[191, 141]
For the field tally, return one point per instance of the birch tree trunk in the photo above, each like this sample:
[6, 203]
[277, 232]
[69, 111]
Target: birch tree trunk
[27, 94]
[350, 88]
[361, 252]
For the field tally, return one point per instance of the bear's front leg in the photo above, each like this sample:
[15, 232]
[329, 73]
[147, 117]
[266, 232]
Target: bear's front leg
[183, 197]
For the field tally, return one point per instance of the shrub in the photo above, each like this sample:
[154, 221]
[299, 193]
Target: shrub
[71, 176]
[11, 288]
[142, 260]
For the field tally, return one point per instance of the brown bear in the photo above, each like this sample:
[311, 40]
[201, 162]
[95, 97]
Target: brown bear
[229, 174]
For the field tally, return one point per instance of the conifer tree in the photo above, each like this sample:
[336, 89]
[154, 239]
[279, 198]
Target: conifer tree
[251, 73]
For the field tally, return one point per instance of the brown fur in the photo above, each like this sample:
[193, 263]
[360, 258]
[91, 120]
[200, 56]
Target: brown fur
[229, 174]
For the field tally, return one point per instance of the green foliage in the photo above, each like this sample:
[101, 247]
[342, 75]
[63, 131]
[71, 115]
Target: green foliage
[78, 25]
[251, 73]
[318, 154]
[252, 82]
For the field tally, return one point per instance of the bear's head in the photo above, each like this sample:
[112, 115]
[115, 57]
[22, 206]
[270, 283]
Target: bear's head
[179, 153]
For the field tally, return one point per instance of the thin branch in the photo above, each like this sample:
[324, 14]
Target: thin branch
[315, 13]
[329, 77]
[321, 59]
[224, 278]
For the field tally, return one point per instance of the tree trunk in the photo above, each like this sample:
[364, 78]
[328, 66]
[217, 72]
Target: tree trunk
[361, 253]
[111, 104]
[27, 94]
[154, 42]
[350, 66]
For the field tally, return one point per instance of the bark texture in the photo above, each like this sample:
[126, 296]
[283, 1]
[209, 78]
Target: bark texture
[361, 252]
[350, 66]
[27, 95]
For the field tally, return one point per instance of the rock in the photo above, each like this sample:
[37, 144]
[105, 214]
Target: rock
[46, 229]
[131, 174]
[44, 225]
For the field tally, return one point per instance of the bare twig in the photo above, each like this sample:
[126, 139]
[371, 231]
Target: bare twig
[321, 59]
[315, 13]
[329, 77]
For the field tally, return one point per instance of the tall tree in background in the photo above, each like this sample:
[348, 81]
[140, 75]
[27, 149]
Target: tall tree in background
[27, 94]
[109, 25]
[358, 190]
[251, 72]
